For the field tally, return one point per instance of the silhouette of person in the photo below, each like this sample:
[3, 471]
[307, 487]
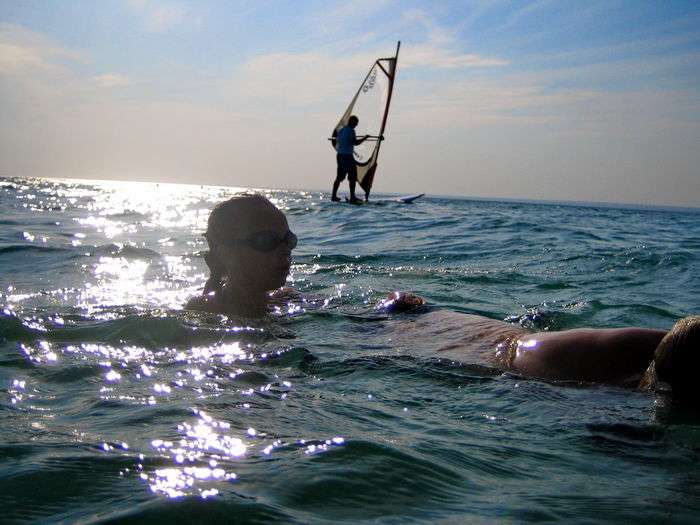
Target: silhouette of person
[250, 247]
[345, 141]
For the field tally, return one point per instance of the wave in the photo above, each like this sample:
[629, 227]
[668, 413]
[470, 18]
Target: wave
[12, 328]
[115, 250]
[151, 330]
[127, 251]
[439, 371]
[128, 214]
[27, 248]
[236, 508]
[638, 308]
[347, 479]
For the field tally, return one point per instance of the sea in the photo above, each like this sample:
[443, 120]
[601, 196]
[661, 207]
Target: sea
[119, 406]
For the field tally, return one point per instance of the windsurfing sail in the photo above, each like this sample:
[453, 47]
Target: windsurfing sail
[371, 106]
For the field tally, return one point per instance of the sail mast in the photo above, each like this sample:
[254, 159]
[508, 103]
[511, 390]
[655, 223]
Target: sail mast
[391, 88]
[366, 184]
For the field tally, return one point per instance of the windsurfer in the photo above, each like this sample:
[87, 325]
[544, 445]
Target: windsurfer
[345, 142]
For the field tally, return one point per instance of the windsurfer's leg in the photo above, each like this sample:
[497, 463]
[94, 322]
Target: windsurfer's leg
[352, 180]
[340, 175]
[352, 189]
[336, 183]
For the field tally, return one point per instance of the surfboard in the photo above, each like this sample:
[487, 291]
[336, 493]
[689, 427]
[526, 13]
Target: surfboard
[409, 199]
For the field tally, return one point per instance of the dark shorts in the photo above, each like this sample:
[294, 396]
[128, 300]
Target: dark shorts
[346, 166]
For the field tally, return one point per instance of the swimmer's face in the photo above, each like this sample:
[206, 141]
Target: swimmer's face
[259, 254]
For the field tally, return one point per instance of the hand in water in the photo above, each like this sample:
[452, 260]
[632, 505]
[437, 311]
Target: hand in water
[400, 302]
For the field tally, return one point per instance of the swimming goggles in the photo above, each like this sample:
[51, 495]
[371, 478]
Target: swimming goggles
[265, 241]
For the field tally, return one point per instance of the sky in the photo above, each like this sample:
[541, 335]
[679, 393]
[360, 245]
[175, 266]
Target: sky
[594, 101]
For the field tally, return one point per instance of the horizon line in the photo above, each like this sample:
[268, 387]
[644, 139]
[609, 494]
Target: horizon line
[524, 200]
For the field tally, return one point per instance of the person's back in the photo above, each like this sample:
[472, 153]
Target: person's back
[633, 357]
[345, 141]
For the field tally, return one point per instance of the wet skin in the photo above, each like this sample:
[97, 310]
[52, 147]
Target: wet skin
[616, 356]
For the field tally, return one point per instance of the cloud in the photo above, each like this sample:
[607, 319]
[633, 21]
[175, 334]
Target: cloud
[425, 43]
[349, 12]
[161, 16]
[299, 79]
[22, 49]
[478, 103]
[431, 56]
[13, 57]
[321, 82]
[111, 80]
[165, 17]
[437, 48]
[529, 10]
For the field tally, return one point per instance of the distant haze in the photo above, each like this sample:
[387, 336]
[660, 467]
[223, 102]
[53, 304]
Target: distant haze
[568, 100]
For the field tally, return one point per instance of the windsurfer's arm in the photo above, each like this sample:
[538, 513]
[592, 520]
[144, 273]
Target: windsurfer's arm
[400, 302]
[361, 140]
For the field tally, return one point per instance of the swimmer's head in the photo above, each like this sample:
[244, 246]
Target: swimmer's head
[353, 121]
[677, 362]
[249, 242]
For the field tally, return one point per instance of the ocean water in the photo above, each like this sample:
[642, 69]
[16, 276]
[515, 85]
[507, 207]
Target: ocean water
[117, 406]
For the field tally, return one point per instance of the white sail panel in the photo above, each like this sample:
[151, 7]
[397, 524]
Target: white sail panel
[368, 106]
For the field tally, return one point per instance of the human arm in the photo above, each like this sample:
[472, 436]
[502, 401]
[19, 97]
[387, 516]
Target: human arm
[400, 302]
